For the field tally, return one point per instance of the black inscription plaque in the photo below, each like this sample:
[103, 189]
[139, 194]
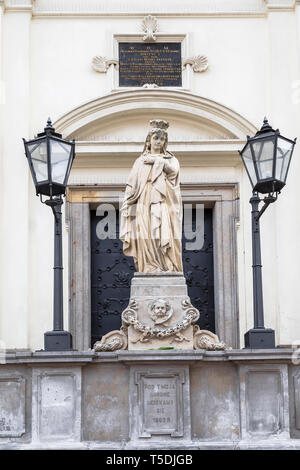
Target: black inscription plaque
[141, 63]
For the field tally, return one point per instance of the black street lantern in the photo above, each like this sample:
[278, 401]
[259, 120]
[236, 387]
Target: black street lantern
[267, 158]
[50, 160]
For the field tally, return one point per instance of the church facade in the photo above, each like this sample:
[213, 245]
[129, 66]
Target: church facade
[102, 70]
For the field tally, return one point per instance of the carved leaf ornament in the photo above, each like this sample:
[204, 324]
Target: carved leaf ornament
[101, 64]
[150, 27]
[199, 63]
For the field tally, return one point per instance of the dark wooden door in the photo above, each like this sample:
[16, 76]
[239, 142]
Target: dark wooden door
[111, 274]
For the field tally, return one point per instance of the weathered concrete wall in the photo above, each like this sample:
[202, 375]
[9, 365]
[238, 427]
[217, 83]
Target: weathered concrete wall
[294, 394]
[150, 400]
[15, 403]
[56, 403]
[215, 401]
[105, 402]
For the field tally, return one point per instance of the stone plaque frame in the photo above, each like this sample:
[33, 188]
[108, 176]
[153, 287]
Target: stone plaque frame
[139, 430]
[296, 397]
[40, 430]
[179, 380]
[160, 38]
[281, 396]
[136, 58]
[297, 400]
[20, 384]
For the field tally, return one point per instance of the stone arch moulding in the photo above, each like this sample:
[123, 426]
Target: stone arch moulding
[228, 132]
[121, 102]
[205, 129]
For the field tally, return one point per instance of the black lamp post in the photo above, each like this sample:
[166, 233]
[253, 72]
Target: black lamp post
[266, 157]
[50, 160]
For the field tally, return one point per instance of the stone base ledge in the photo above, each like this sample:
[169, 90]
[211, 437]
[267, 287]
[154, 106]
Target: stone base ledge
[150, 400]
[234, 355]
[291, 444]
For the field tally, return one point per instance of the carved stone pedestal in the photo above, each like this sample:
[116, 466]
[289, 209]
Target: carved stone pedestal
[159, 315]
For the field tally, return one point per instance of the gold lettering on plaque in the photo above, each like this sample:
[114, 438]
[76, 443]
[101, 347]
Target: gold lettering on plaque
[156, 63]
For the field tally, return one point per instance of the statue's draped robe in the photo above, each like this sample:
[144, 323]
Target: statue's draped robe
[151, 215]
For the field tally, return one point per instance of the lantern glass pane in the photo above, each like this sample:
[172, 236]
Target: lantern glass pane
[38, 152]
[60, 154]
[264, 156]
[283, 156]
[248, 161]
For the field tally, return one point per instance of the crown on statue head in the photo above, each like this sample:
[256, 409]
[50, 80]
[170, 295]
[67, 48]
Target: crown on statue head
[159, 124]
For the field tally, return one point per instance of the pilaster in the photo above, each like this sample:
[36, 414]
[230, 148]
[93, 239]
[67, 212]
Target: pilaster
[15, 175]
[283, 220]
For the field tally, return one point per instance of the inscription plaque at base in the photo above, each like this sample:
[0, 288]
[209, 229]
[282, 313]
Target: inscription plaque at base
[159, 401]
[160, 404]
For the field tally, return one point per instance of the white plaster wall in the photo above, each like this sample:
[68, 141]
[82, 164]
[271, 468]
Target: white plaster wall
[286, 221]
[253, 64]
[15, 264]
[1, 154]
[62, 50]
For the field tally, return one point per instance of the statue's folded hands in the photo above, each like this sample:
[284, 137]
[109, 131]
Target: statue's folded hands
[148, 160]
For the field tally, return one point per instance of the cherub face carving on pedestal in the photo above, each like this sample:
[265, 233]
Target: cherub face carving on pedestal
[160, 311]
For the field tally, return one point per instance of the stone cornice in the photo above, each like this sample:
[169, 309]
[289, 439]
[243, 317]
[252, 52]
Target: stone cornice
[82, 357]
[18, 5]
[92, 193]
[280, 5]
[192, 8]
[137, 9]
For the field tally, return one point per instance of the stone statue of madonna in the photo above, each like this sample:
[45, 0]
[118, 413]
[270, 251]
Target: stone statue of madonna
[151, 214]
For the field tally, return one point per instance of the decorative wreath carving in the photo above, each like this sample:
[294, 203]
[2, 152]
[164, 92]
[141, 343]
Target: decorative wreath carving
[116, 340]
[190, 316]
